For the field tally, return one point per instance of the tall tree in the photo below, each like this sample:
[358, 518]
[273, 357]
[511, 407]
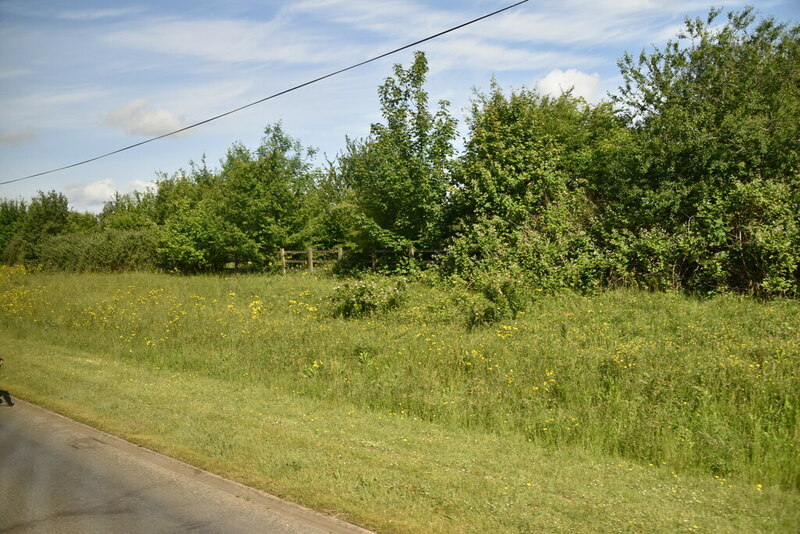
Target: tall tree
[12, 213]
[520, 204]
[260, 192]
[716, 114]
[399, 174]
[245, 212]
[47, 215]
[131, 211]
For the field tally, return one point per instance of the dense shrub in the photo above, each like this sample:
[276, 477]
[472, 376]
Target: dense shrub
[688, 179]
[364, 297]
[111, 250]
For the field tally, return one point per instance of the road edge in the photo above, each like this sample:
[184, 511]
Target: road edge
[173, 465]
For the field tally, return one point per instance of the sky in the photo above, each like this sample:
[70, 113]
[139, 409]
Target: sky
[82, 78]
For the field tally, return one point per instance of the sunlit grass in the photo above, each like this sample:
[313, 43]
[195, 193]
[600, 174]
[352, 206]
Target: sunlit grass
[665, 384]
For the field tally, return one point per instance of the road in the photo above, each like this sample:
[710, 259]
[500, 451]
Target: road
[58, 476]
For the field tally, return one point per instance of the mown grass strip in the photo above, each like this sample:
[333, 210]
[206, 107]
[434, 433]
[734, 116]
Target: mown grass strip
[392, 474]
[705, 390]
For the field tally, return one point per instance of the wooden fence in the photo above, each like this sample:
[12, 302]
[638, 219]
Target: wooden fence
[311, 258]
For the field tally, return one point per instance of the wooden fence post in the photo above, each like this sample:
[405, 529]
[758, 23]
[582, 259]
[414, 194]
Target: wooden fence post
[310, 252]
[283, 260]
[339, 253]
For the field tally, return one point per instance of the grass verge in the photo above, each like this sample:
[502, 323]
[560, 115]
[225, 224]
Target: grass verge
[383, 422]
[392, 474]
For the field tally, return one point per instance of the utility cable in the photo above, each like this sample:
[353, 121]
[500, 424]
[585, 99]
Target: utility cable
[270, 97]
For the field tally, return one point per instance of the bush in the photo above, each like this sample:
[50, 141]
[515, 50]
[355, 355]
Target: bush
[367, 296]
[486, 298]
[551, 251]
[108, 251]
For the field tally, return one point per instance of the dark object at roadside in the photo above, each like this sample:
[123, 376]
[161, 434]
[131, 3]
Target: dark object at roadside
[4, 395]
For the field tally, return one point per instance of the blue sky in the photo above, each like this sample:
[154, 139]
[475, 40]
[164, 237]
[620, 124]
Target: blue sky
[82, 78]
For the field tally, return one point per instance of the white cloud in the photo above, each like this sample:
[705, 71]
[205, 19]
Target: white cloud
[140, 185]
[17, 137]
[386, 18]
[562, 27]
[206, 98]
[582, 84]
[92, 196]
[233, 41]
[97, 14]
[54, 100]
[590, 22]
[138, 117]
[16, 73]
[60, 109]
[475, 54]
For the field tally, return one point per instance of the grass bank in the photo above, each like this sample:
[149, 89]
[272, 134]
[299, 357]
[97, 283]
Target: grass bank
[627, 411]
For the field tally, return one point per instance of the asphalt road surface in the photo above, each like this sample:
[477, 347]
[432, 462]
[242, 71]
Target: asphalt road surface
[58, 476]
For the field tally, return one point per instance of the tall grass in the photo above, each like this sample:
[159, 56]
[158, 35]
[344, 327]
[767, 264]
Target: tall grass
[705, 386]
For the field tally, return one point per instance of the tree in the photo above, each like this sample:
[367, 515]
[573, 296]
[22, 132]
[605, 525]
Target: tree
[325, 217]
[718, 104]
[399, 174]
[245, 212]
[46, 215]
[197, 239]
[716, 116]
[82, 223]
[261, 192]
[12, 213]
[131, 211]
[510, 170]
[520, 204]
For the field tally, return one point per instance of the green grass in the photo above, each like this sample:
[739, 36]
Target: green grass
[627, 411]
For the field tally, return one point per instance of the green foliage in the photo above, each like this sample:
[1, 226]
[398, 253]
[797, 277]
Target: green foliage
[12, 213]
[175, 192]
[640, 259]
[510, 170]
[369, 295]
[107, 251]
[260, 192]
[195, 239]
[689, 179]
[245, 213]
[82, 222]
[398, 175]
[520, 203]
[492, 298]
[325, 216]
[718, 104]
[133, 211]
[747, 240]
[716, 117]
[46, 215]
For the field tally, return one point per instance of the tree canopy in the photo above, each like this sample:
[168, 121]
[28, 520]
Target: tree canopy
[688, 178]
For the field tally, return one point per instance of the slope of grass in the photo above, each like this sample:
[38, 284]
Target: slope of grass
[624, 411]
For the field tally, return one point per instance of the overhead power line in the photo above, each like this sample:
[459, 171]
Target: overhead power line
[270, 97]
